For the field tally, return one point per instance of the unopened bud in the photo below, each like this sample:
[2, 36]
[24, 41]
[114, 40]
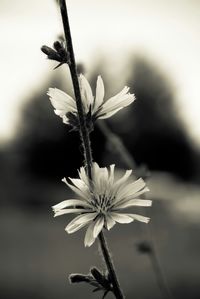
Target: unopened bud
[51, 54]
[46, 50]
[76, 278]
[59, 54]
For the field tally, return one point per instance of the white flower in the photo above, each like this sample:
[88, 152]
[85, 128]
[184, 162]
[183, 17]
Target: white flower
[64, 103]
[104, 205]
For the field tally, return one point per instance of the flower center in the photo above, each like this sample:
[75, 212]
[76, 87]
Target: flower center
[102, 203]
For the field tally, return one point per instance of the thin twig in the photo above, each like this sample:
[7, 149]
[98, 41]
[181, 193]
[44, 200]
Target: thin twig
[117, 145]
[86, 141]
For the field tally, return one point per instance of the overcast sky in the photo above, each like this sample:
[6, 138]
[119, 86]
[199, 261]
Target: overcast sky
[165, 31]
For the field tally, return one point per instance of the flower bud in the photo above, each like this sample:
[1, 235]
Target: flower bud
[51, 54]
[60, 54]
[76, 278]
[46, 50]
[57, 46]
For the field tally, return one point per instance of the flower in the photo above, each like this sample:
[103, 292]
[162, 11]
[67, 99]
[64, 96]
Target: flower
[64, 105]
[102, 201]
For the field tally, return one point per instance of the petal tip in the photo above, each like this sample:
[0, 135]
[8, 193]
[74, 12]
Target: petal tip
[50, 90]
[66, 229]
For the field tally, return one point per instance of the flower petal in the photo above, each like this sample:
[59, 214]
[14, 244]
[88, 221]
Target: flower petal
[124, 177]
[83, 176]
[86, 93]
[79, 184]
[89, 237]
[119, 183]
[112, 168]
[122, 99]
[139, 218]
[110, 222]
[133, 202]
[85, 218]
[98, 226]
[80, 220]
[68, 211]
[61, 101]
[99, 94]
[132, 188]
[82, 193]
[107, 115]
[65, 120]
[99, 178]
[137, 194]
[132, 196]
[75, 228]
[69, 203]
[110, 182]
[121, 218]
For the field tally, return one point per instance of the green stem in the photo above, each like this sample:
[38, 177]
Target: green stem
[86, 140]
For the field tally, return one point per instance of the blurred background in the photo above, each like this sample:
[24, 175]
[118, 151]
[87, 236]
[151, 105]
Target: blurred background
[153, 47]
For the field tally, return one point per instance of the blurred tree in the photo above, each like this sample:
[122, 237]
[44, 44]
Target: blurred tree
[150, 127]
[155, 134]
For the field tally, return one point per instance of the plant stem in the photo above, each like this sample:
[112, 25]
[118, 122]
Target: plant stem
[117, 146]
[86, 140]
[72, 66]
[116, 287]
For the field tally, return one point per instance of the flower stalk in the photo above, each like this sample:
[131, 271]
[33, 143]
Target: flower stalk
[86, 139]
[115, 283]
